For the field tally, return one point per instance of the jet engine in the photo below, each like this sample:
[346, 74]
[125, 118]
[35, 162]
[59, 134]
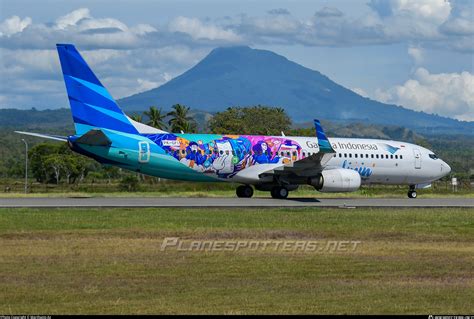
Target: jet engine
[336, 180]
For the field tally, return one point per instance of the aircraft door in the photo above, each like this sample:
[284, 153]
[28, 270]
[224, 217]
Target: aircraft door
[417, 154]
[143, 152]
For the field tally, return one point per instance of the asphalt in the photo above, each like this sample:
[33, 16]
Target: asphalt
[235, 202]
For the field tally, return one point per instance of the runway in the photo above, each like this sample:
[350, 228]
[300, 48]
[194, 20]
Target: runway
[234, 202]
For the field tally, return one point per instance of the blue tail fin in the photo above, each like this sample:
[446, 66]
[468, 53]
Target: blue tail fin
[324, 145]
[92, 106]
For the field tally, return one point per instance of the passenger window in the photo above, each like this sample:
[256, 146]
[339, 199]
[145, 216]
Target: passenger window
[350, 155]
[401, 157]
[371, 155]
[366, 155]
[340, 154]
[391, 156]
[377, 155]
[396, 156]
[355, 155]
[345, 154]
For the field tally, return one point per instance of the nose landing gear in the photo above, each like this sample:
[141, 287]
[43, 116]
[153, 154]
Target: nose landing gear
[412, 192]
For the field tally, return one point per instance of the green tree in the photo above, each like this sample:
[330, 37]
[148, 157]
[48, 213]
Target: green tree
[37, 156]
[156, 118]
[137, 118]
[55, 163]
[49, 162]
[75, 167]
[129, 183]
[260, 120]
[181, 120]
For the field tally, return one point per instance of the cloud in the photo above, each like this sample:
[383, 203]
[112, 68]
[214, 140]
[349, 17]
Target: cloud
[198, 30]
[72, 18]
[461, 20]
[411, 20]
[33, 77]
[387, 21]
[278, 11]
[417, 54]
[438, 23]
[447, 94]
[145, 85]
[459, 27]
[417, 11]
[131, 58]
[360, 91]
[79, 27]
[328, 12]
[13, 25]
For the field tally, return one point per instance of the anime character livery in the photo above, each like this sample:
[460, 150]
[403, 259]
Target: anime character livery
[277, 164]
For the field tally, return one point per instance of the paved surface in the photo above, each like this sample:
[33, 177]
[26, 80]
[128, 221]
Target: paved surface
[234, 202]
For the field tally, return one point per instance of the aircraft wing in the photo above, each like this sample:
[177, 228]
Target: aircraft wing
[309, 166]
[48, 136]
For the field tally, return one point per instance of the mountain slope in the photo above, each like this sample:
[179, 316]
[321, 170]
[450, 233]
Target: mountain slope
[243, 76]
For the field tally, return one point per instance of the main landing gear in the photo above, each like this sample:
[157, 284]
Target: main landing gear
[244, 191]
[279, 192]
[412, 192]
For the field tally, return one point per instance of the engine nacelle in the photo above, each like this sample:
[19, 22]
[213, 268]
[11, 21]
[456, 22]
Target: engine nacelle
[336, 180]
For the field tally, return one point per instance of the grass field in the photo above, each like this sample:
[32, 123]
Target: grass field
[109, 261]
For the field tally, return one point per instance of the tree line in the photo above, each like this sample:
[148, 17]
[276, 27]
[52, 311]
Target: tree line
[180, 119]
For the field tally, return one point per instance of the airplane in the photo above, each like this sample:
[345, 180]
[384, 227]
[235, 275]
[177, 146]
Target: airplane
[278, 164]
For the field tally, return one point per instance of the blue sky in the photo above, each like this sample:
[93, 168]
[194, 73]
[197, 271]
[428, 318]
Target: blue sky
[419, 54]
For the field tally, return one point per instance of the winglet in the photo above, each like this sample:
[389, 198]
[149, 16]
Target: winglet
[323, 142]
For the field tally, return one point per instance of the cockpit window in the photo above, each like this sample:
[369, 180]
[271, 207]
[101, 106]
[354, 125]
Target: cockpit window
[433, 156]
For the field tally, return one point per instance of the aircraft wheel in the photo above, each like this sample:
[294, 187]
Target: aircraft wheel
[279, 192]
[412, 194]
[244, 191]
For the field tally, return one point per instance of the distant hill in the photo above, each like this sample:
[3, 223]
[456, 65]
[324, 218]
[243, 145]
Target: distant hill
[60, 121]
[33, 118]
[241, 76]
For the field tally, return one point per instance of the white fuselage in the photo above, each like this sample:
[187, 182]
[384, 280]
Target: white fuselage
[377, 161]
[386, 161]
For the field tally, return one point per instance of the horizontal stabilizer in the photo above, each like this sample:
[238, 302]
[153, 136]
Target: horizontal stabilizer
[48, 136]
[94, 137]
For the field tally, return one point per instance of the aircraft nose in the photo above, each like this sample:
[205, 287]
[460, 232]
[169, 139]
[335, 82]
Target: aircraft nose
[445, 169]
